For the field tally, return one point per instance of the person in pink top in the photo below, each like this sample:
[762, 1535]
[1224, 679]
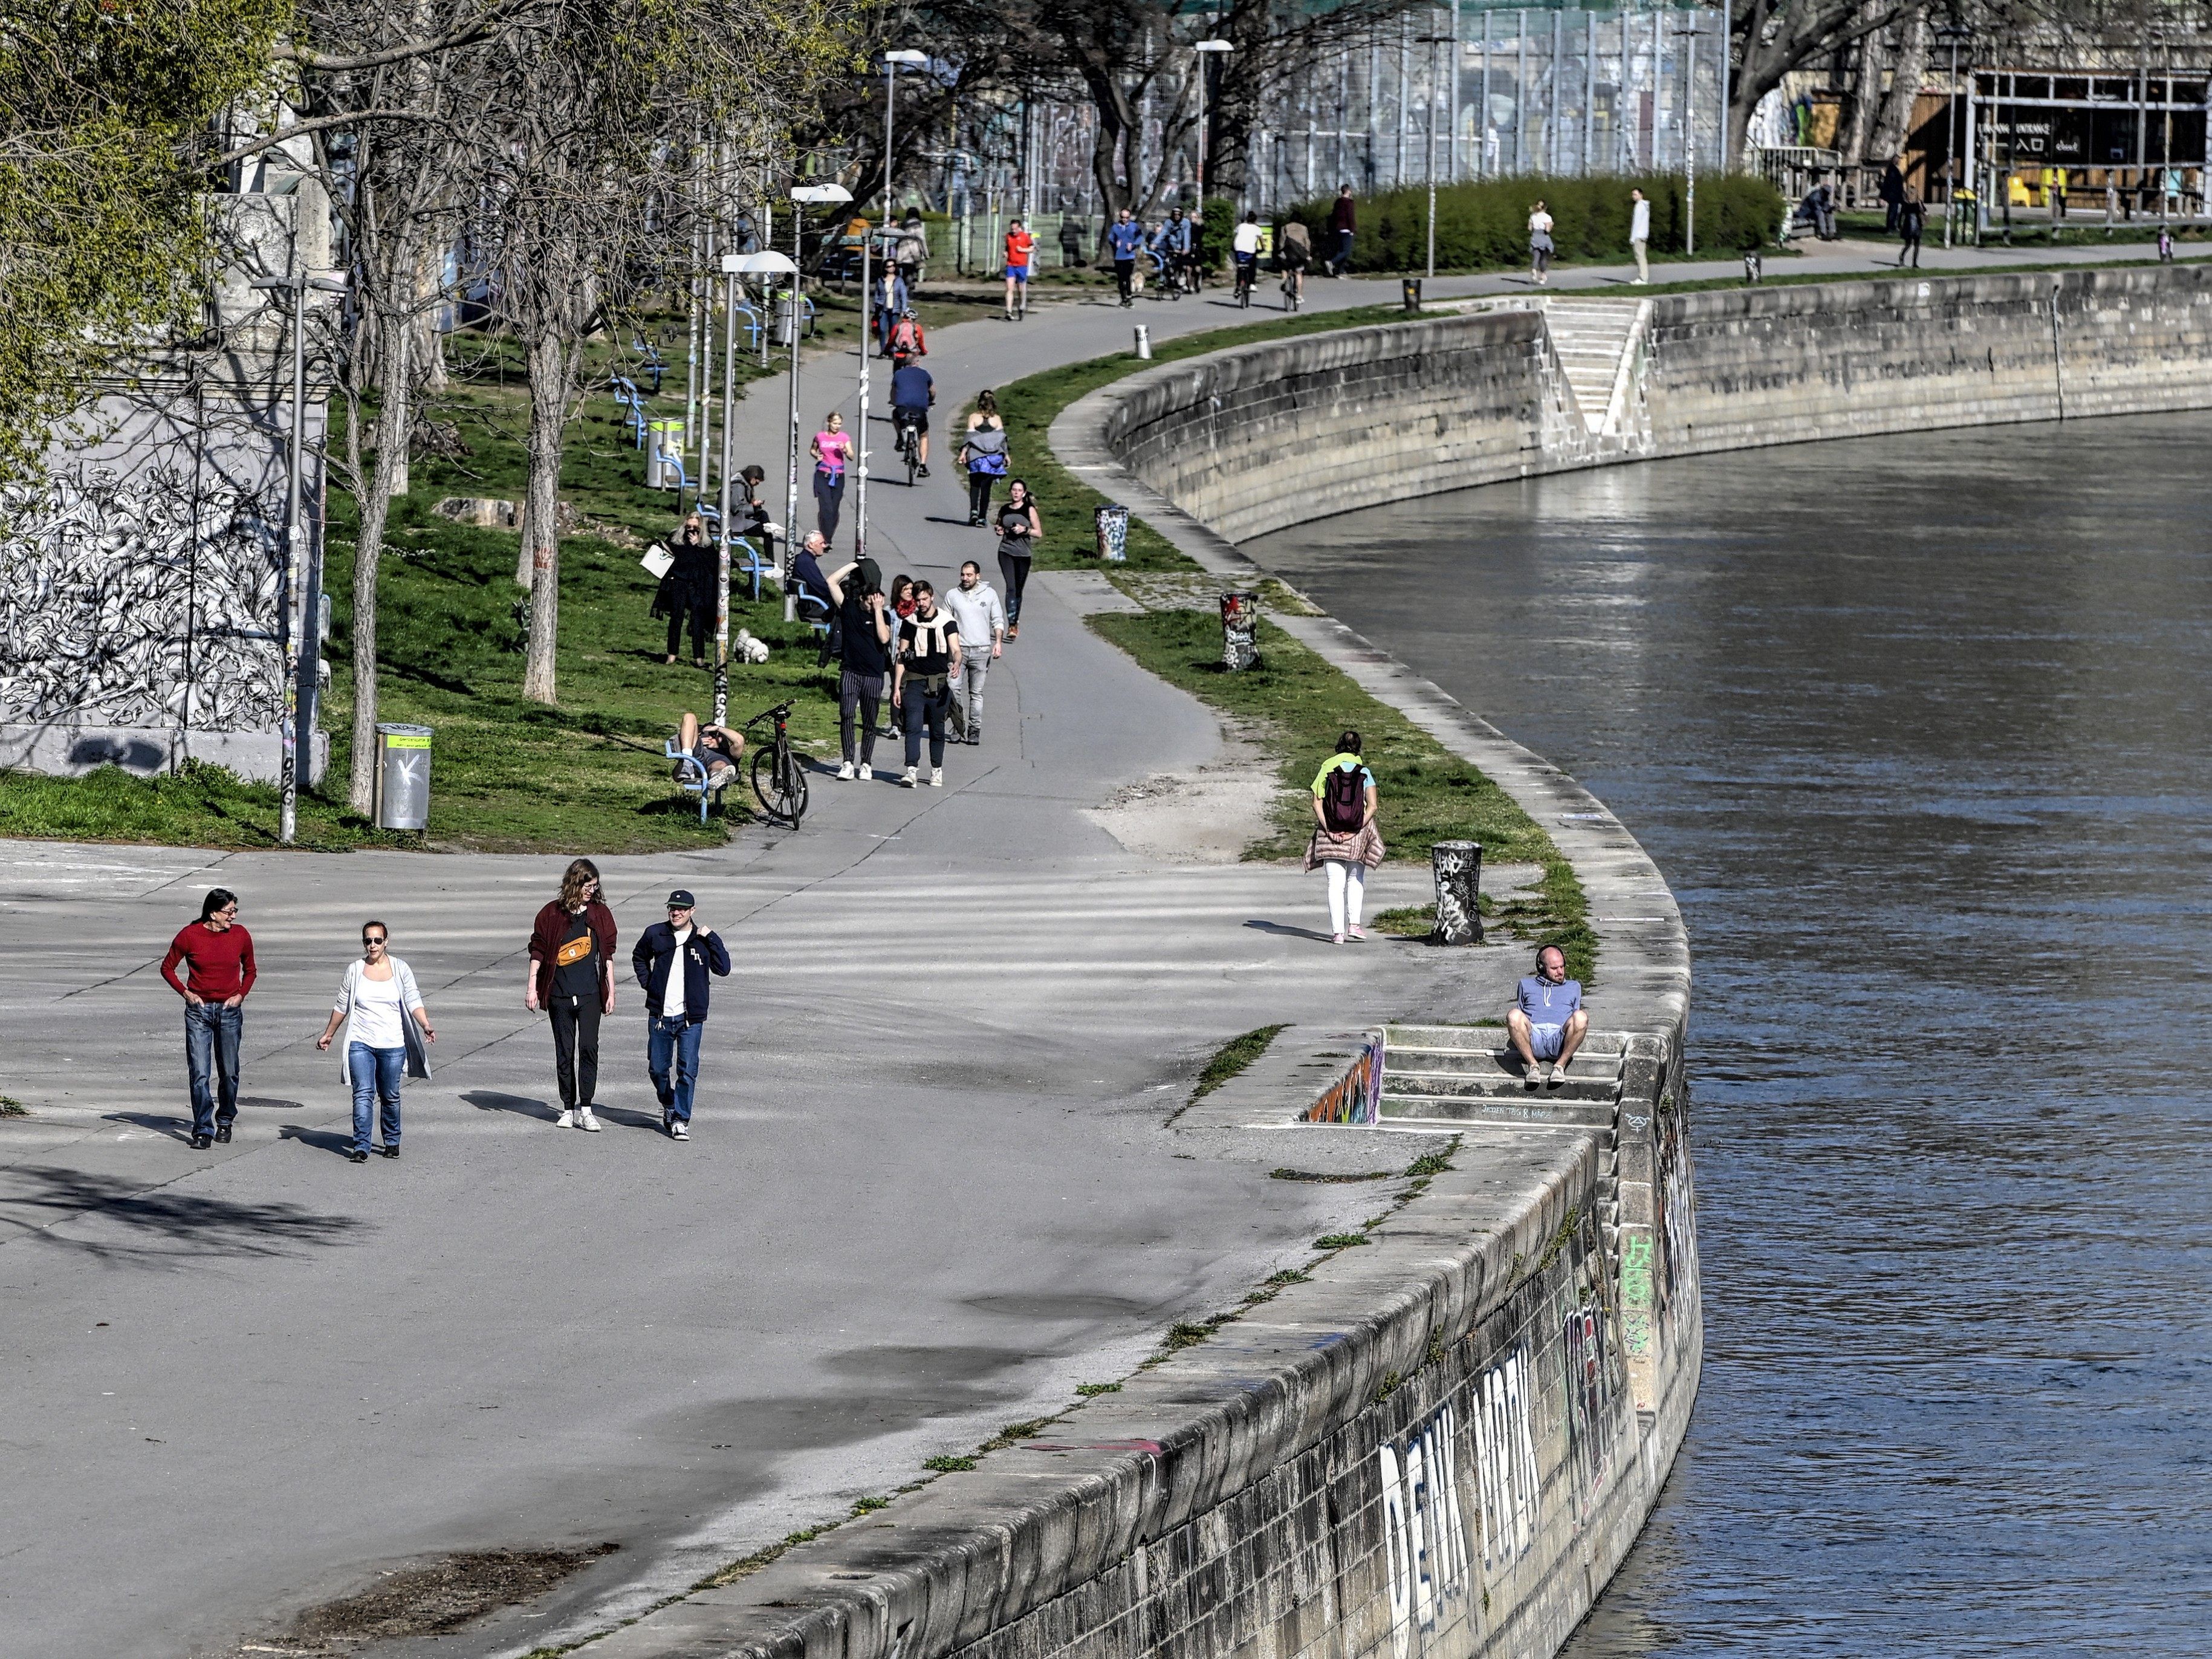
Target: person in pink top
[833, 453]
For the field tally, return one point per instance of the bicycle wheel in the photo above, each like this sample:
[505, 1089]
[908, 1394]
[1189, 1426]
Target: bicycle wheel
[912, 461]
[776, 785]
[794, 787]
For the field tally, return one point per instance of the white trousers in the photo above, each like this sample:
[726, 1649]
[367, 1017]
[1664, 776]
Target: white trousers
[1348, 890]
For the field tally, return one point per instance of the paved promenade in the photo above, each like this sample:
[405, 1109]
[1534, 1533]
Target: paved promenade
[930, 1190]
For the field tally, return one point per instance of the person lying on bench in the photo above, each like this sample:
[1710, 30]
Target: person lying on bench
[716, 747]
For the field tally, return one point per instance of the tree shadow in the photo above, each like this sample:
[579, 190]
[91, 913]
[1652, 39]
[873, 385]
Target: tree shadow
[491, 1100]
[172, 1221]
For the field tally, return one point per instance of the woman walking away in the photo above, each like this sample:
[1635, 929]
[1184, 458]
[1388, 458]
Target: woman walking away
[1019, 531]
[387, 1033]
[863, 641]
[1539, 243]
[1911, 218]
[983, 453]
[219, 957]
[572, 977]
[833, 451]
[929, 657]
[1345, 840]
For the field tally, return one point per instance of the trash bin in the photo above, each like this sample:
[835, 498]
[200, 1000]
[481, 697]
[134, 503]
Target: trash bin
[1457, 866]
[664, 448]
[1111, 523]
[1240, 631]
[786, 309]
[402, 777]
[1409, 289]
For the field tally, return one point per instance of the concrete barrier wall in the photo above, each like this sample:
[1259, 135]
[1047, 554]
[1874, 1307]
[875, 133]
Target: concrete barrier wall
[1268, 436]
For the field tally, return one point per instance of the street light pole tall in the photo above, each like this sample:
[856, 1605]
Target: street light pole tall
[1204, 48]
[802, 197]
[1953, 32]
[891, 62]
[1429, 138]
[768, 264]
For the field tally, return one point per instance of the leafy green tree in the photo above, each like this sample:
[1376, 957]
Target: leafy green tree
[107, 137]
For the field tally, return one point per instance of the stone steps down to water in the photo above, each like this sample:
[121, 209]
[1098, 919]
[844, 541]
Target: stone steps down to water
[1458, 1073]
[1591, 338]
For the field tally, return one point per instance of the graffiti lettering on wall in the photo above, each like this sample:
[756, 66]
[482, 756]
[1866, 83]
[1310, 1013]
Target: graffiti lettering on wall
[1425, 1541]
[1590, 1395]
[1357, 1097]
[1677, 1202]
[1505, 1456]
[134, 603]
[1636, 1290]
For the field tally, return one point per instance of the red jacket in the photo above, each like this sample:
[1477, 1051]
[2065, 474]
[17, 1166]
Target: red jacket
[221, 964]
[552, 927]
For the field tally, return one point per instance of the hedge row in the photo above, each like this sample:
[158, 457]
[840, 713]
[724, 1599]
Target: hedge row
[1485, 226]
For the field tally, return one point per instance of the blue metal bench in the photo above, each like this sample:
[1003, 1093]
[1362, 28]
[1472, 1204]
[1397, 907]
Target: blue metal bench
[691, 778]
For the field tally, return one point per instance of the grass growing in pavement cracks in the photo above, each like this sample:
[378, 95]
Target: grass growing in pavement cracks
[1088, 1389]
[1233, 1057]
[11, 1106]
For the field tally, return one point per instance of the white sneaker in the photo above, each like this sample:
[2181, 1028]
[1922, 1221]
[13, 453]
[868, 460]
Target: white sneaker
[567, 1121]
[908, 780]
[937, 777]
[585, 1120]
[867, 772]
[845, 773]
[679, 1131]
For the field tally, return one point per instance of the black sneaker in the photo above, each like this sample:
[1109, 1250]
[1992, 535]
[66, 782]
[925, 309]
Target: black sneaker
[922, 471]
[357, 1156]
[222, 1132]
[201, 1143]
[388, 1151]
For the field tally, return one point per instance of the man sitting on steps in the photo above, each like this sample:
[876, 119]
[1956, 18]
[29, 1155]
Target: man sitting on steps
[1548, 1021]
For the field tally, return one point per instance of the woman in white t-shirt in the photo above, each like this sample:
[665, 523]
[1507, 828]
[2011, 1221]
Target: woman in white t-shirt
[1540, 243]
[387, 1033]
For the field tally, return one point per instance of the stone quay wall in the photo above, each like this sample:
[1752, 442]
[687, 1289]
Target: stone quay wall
[1268, 436]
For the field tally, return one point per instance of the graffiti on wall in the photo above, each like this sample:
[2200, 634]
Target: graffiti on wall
[1424, 1541]
[1506, 1486]
[139, 602]
[1356, 1096]
[1590, 1392]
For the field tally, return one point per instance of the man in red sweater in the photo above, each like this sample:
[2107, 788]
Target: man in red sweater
[219, 957]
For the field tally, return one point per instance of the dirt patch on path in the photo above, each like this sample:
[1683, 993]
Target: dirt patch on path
[434, 1598]
[1206, 815]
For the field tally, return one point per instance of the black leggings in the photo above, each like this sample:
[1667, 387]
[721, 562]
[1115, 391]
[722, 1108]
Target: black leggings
[698, 604]
[575, 1046]
[829, 502]
[863, 692]
[924, 707]
[978, 495]
[1014, 570]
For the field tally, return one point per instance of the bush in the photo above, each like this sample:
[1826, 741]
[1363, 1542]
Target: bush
[1485, 226]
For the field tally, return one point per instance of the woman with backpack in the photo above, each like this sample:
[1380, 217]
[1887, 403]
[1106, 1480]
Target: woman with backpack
[1345, 840]
[983, 451]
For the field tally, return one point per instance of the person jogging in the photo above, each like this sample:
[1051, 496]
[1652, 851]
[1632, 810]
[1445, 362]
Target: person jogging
[218, 956]
[833, 451]
[671, 962]
[983, 622]
[863, 641]
[1020, 530]
[1345, 840]
[929, 657]
[1539, 243]
[983, 453]
[1021, 249]
[387, 1035]
[572, 977]
[1125, 241]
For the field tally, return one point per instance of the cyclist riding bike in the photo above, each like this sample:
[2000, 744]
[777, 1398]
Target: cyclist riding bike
[1294, 253]
[1163, 261]
[1246, 247]
[913, 392]
[908, 341]
[1176, 245]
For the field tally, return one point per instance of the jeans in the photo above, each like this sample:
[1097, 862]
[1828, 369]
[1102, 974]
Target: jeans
[978, 495]
[829, 502]
[376, 1075]
[863, 692]
[1014, 570]
[974, 668]
[677, 1039]
[575, 1047]
[1343, 260]
[924, 705]
[211, 1035]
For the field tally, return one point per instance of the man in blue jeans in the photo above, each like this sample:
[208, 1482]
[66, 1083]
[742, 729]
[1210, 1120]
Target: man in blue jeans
[672, 960]
[217, 957]
[1548, 1021]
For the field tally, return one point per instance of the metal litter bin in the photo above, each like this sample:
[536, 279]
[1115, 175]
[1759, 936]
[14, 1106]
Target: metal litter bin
[1458, 868]
[1240, 631]
[1111, 523]
[402, 777]
[664, 453]
[1409, 291]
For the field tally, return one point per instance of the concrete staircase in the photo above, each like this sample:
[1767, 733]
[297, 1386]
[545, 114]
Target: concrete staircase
[1595, 339]
[1447, 1074]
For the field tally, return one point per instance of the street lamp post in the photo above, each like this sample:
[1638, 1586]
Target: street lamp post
[1689, 136]
[1954, 32]
[295, 620]
[1204, 48]
[891, 62]
[802, 197]
[767, 262]
[1430, 140]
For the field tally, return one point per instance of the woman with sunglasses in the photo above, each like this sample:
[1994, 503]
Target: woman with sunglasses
[387, 1033]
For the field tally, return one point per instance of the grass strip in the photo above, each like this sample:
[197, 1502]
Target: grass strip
[1234, 1057]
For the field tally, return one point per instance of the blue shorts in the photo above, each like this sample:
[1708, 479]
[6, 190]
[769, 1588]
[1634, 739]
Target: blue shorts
[1018, 273]
[1545, 1041]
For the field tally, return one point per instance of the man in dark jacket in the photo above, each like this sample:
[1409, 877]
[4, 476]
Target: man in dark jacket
[1343, 220]
[671, 961]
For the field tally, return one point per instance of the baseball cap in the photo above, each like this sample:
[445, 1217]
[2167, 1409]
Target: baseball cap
[680, 900]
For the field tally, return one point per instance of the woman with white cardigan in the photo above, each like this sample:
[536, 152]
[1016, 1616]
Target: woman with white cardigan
[387, 1033]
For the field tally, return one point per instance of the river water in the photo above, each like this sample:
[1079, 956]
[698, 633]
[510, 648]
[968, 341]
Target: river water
[1918, 729]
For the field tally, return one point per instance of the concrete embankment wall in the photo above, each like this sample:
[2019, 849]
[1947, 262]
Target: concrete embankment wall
[1258, 439]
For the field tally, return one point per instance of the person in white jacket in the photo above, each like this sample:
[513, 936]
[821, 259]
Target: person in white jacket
[387, 1033]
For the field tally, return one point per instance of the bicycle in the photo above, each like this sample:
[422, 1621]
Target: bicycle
[778, 774]
[1293, 287]
[1245, 268]
[909, 447]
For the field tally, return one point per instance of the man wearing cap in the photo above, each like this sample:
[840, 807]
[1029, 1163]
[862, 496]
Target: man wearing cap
[673, 959]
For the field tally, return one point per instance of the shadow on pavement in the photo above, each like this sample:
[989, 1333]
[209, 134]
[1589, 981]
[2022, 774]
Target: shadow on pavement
[170, 1221]
[491, 1100]
[1286, 930]
[323, 1140]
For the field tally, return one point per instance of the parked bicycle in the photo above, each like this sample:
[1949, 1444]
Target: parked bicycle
[779, 772]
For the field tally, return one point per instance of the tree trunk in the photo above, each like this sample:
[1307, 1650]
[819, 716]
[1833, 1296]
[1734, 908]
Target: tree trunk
[395, 418]
[549, 361]
[1907, 73]
[1874, 56]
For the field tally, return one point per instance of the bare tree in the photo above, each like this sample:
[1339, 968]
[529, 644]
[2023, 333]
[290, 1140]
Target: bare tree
[1774, 37]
